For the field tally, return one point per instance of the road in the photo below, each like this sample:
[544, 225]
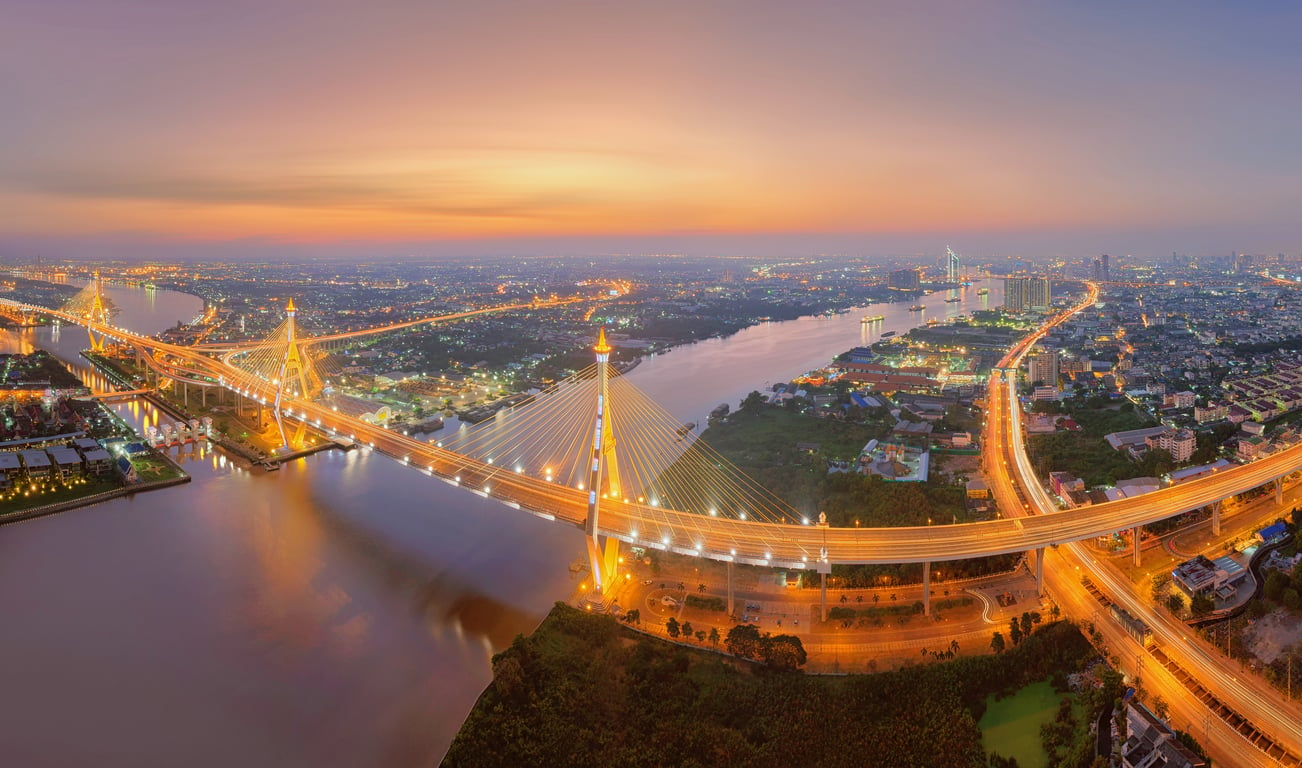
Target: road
[749, 541]
[1017, 488]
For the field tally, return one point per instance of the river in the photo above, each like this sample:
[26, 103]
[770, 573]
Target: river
[340, 612]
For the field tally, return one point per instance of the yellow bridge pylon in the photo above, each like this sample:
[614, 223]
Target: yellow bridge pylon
[604, 561]
[98, 313]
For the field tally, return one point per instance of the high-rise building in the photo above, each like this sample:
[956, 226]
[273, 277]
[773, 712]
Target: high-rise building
[905, 280]
[1043, 367]
[1027, 293]
[1104, 272]
[953, 273]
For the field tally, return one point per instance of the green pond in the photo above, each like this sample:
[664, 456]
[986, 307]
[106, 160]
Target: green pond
[1011, 726]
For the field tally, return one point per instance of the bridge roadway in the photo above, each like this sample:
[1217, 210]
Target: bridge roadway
[747, 541]
[244, 346]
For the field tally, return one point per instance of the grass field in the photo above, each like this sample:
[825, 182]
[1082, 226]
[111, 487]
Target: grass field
[1011, 726]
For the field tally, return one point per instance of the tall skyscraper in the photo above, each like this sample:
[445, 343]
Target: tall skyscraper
[953, 273]
[1104, 274]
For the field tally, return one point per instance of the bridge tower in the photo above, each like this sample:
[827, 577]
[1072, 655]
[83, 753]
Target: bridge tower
[604, 560]
[293, 374]
[98, 314]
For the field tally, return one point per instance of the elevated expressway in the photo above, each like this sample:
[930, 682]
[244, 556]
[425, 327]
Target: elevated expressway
[724, 537]
[1261, 727]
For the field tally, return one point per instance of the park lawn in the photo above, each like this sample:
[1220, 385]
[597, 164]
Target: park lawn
[1011, 726]
[151, 469]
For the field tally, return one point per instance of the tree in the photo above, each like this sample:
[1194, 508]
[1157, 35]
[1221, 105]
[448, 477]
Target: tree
[1276, 583]
[743, 640]
[687, 629]
[784, 652]
[1292, 599]
[1161, 708]
[1026, 623]
[1015, 631]
[1201, 605]
[714, 636]
[633, 617]
[700, 636]
[671, 627]
[752, 403]
[1175, 603]
[997, 643]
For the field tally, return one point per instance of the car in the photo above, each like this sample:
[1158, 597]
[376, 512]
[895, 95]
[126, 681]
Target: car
[669, 602]
[646, 582]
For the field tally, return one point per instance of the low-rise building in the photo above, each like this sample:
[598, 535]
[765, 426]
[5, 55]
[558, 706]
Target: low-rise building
[11, 469]
[1063, 483]
[65, 462]
[1180, 443]
[37, 463]
[1210, 412]
[1200, 576]
[1150, 743]
[98, 462]
[1250, 447]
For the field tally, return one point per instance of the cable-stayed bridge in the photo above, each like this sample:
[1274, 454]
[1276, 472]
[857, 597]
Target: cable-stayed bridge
[596, 453]
[671, 492]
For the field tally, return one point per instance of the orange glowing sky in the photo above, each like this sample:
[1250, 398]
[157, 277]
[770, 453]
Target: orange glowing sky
[409, 121]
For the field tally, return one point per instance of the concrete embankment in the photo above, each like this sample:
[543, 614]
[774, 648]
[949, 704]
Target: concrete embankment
[85, 501]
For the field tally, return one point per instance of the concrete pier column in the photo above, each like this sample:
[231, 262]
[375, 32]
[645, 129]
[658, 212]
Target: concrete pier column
[203, 393]
[1279, 490]
[926, 589]
[1136, 534]
[1216, 518]
[1039, 571]
[822, 581]
[185, 394]
[731, 605]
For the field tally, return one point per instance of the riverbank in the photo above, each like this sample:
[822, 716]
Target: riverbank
[86, 501]
[581, 674]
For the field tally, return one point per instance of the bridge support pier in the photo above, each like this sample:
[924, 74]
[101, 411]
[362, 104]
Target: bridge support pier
[1279, 490]
[1136, 534]
[926, 589]
[824, 571]
[185, 393]
[203, 394]
[1039, 571]
[604, 561]
[1216, 518]
[731, 604]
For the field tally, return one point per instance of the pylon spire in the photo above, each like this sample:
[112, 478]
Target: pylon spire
[603, 462]
[293, 370]
[98, 314]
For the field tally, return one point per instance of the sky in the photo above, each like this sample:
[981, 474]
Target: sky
[332, 127]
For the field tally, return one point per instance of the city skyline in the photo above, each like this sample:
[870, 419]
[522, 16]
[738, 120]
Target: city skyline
[357, 131]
